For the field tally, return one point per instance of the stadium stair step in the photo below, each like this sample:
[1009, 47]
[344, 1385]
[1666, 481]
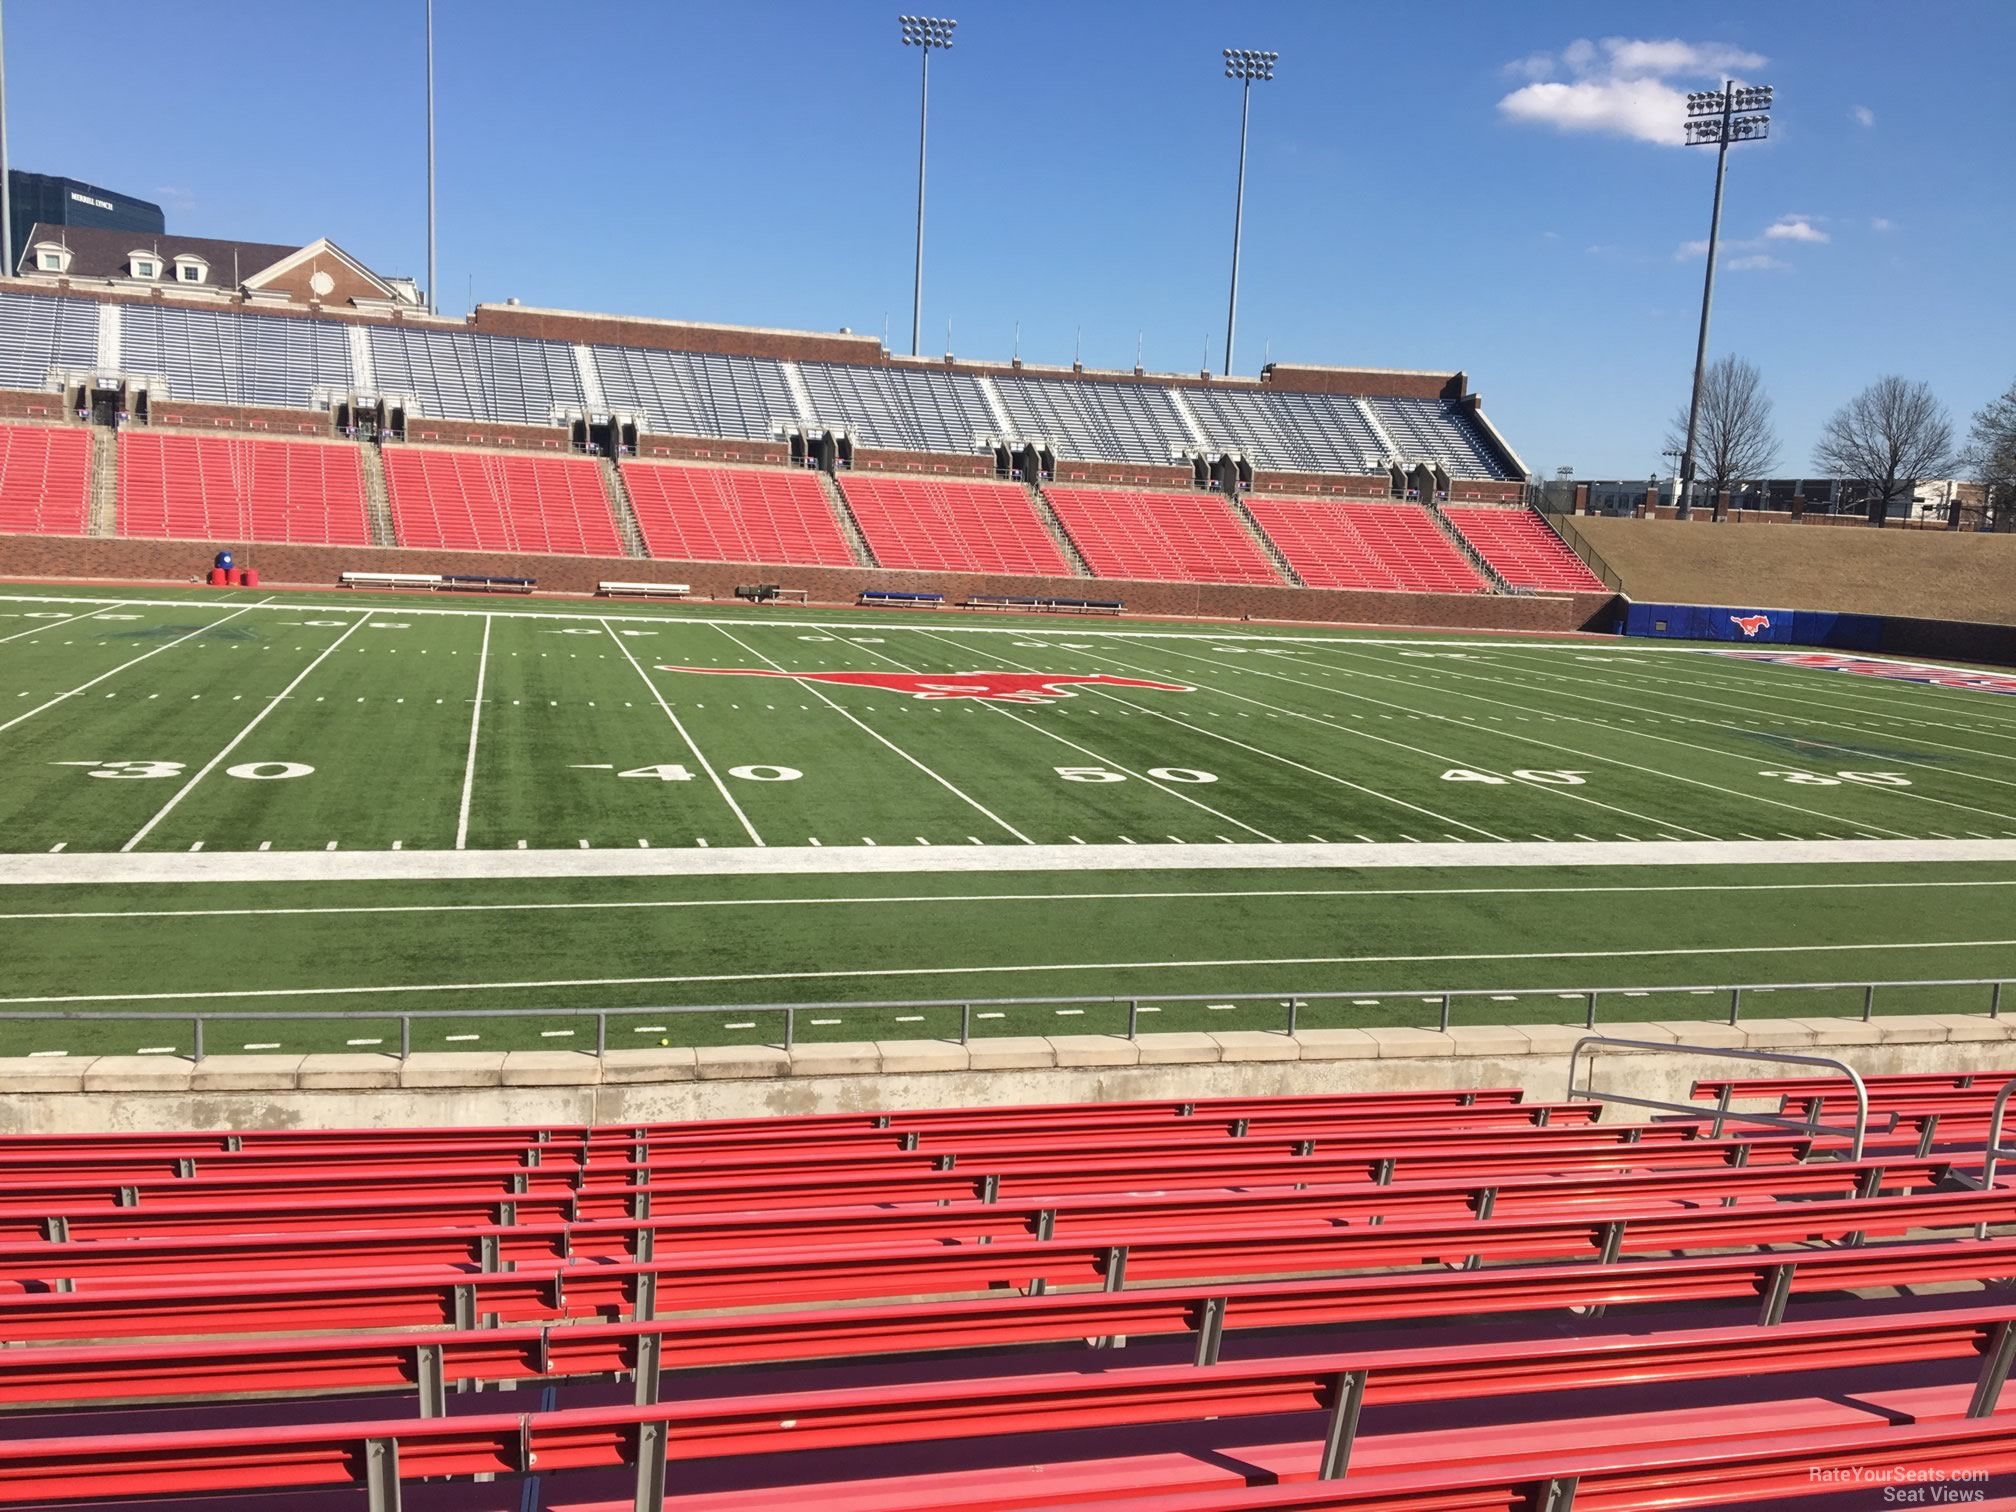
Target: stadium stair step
[104, 517]
[377, 505]
[1462, 542]
[850, 527]
[1263, 540]
[1079, 566]
[620, 506]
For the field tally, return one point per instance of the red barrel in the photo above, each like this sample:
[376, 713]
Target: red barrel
[250, 577]
[237, 576]
[218, 577]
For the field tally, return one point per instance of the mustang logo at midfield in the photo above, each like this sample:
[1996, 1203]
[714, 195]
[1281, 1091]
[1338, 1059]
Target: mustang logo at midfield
[992, 687]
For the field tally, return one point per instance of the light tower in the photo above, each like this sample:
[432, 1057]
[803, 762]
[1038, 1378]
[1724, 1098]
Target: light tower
[1713, 120]
[923, 33]
[1246, 66]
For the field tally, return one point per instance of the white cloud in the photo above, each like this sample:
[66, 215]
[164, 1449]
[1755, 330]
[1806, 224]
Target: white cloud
[1862, 115]
[1620, 86]
[1757, 262]
[1794, 228]
[1686, 251]
[1881, 223]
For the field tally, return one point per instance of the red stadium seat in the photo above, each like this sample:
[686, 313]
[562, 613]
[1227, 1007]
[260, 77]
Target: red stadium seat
[1523, 548]
[1335, 544]
[233, 488]
[488, 501]
[45, 479]
[1160, 537]
[953, 525]
[735, 514]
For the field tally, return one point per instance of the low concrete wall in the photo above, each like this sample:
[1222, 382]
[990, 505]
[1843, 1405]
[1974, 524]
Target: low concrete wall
[245, 1092]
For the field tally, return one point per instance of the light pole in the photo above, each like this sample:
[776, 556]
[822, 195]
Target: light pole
[922, 33]
[1713, 121]
[6, 206]
[433, 303]
[1245, 66]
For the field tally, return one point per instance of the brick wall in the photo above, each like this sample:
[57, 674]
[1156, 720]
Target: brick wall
[1131, 474]
[485, 433]
[280, 422]
[701, 449]
[942, 464]
[17, 404]
[55, 558]
[1329, 380]
[614, 330]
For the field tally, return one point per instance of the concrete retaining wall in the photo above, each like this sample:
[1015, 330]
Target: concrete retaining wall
[245, 1092]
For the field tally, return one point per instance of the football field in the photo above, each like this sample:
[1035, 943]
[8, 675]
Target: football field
[346, 806]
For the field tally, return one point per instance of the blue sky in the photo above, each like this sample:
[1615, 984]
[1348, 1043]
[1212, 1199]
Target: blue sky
[1456, 185]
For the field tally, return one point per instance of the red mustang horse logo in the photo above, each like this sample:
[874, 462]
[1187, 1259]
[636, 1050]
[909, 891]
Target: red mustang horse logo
[1750, 624]
[992, 687]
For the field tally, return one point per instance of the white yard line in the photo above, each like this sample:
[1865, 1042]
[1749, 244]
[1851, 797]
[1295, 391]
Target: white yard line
[691, 745]
[912, 899]
[1550, 788]
[1670, 953]
[475, 726]
[1617, 761]
[1116, 765]
[847, 714]
[271, 704]
[58, 624]
[134, 662]
[83, 867]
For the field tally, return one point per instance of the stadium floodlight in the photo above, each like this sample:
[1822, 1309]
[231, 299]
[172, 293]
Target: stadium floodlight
[1713, 120]
[1248, 67]
[6, 208]
[923, 33]
[433, 304]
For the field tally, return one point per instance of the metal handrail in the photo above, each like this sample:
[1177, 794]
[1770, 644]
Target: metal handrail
[1291, 1002]
[1996, 1149]
[1859, 1132]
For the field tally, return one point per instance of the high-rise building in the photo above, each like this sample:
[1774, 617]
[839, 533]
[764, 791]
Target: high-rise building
[57, 201]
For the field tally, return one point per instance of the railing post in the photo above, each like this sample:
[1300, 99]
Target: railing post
[1348, 1400]
[381, 1474]
[196, 1038]
[1589, 1016]
[405, 1036]
[1294, 1005]
[1445, 1011]
[1997, 1355]
[1868, 1002]
[1995, 1001]
[790, 1026]
[1735, 1003]
[965, 1023]
[601, 1035]
[1133, 1018]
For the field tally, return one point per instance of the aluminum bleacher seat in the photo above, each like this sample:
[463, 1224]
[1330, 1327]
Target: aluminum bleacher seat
[460, 375]
[1289, 432]
[953, 525]
[41, 331]
[45, 479]
[1434, 430]
[905, 409]
[487, 501]
[1160, 537]
[288, 1314]
[1523, 548]
[231, 488]
[222, 357]
[1100, 422]
[735, 514]
[697, 393]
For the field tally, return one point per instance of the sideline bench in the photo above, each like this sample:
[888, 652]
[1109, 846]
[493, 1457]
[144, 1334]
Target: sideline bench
[643, 590]
[1044, 605]
[424, 581]
[893, 598]
[477, 582]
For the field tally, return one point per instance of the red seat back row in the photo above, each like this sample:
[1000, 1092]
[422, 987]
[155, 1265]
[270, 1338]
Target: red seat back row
[735, 514]
[238, 488]
[45, 479]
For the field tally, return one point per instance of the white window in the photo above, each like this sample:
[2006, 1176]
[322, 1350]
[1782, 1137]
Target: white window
[191, 270]
[144, 267]
[51, 257]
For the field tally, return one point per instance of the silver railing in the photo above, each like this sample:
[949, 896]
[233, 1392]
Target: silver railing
[1858, 1132]
[1291, 1005]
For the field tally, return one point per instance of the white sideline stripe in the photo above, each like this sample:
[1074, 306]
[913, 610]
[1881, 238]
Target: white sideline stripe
[912, 899]
[271, 704]
[475, 724]
[134, 662]
[1024, 970]
[433, 866]
[848, 714]
[698, 755]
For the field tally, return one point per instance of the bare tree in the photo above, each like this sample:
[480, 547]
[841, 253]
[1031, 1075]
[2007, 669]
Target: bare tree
[1888, 437]
[1991, 458]
[1734, 440]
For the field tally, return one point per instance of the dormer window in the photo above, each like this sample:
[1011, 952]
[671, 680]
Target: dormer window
[51, 257]
[191, 270]
[143, 265]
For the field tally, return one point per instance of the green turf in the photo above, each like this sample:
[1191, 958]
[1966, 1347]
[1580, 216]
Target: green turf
[326, 721]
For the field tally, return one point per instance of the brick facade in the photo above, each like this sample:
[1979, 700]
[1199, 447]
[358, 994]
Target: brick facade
[485, 433]
[704, 449]
[47, 558]
[246, 417]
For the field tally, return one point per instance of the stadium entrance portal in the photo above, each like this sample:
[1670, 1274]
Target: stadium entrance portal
[1028, 463]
